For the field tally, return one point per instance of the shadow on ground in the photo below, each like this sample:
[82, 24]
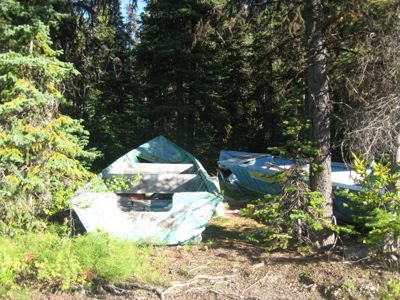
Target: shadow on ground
[234, 234]
[243, 235]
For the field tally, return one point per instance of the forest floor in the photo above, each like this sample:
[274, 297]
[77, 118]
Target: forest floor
[227, 265]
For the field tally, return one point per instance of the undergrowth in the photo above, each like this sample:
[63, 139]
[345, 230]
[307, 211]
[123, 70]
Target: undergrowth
[371, 214]
[391, 290]
[293, 218]
[60, 263]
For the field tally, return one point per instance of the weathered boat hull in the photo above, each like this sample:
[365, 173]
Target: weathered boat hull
[171, 203]
[250, 171]
[255, 172]
[183, 222]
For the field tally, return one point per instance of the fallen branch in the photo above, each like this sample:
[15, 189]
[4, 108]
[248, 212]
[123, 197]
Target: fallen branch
[214, 277]
[178, 284]
[130, 286]
[198, 267]
[356, 261]
[234, 296]
[226, 295]
[193, 281]
[197, 289]
[256, 282]
[115, 290]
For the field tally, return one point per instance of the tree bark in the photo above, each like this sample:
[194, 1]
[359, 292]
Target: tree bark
[391, 241]
[396, 156]
[318, 93]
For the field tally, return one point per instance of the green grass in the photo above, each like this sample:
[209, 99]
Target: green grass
[391, 290]
[60, 263]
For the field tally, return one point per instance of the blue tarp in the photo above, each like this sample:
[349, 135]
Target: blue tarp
[255, 172]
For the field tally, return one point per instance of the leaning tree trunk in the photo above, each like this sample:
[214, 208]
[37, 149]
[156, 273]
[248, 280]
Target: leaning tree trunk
[318, 94]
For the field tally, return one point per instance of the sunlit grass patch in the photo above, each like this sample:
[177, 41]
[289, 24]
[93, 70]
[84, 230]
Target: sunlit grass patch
[59, 263]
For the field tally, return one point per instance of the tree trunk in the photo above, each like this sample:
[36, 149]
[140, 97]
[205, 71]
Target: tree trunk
[318, 93]
[396, 156]
[391, 241]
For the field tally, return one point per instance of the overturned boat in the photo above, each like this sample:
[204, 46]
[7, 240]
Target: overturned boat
[256, 173]
[167, 196]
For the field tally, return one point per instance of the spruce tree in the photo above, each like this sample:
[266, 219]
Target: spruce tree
[176, 57]
[42, 153]
[95, 38]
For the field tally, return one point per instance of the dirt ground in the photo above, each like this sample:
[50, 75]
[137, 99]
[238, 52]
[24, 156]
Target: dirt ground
[227, 266]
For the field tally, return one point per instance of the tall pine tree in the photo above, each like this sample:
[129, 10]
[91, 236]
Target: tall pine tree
[176, 58]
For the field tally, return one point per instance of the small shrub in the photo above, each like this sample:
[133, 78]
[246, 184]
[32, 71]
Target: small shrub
[44, 257]
[348, 285]
[184, 271]
[8, 274]
[379, 200]
[294, 216]
[105, 259]
[391, 290]
[59, 267]
[61, 262]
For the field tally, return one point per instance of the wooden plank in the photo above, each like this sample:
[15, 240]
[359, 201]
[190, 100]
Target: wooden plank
[152, 168]
[166, 183]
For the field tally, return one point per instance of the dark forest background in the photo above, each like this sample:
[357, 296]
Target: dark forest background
[213, 75]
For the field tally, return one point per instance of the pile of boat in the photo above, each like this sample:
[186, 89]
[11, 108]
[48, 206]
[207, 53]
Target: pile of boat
[169, 198]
